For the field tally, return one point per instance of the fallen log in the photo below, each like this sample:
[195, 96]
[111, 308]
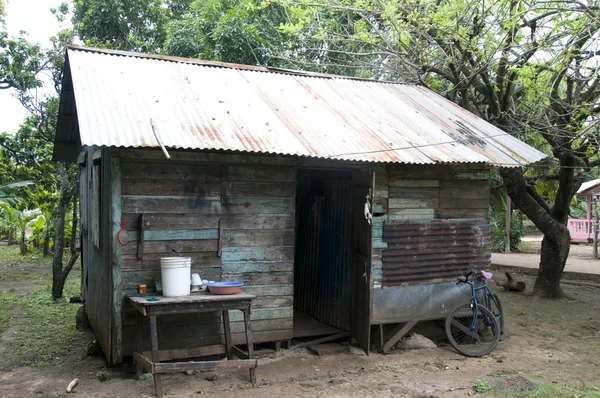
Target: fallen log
[511, 285]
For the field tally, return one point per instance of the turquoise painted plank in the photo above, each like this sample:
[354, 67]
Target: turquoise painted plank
[379, 220]
[379, 244]
[377, 232]
[376, 274]
[412, 214]
[182, 234]
[270, 290]
[263, 313]
[376, 263]
[257, 266]
[423, 203]
[236, 254]
[378, 208]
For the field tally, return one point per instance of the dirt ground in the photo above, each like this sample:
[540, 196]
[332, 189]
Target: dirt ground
[548, 342]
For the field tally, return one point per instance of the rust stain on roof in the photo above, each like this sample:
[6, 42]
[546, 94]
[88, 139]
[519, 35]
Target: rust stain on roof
[218, 106]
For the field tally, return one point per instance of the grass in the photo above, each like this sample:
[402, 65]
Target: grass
[46, 330]
[550, 390]
[7, 302]
[12, 255]
[481, 386]
[544, 390]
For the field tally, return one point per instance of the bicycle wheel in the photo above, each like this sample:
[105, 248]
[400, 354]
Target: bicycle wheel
[495, 306]
[472, 330]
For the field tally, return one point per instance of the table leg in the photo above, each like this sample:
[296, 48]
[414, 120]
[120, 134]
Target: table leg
[139, 344]
[227, 329]
[154, 339]
[250, 343]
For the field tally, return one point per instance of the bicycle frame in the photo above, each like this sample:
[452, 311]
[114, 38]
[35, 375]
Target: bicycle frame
[475, 299]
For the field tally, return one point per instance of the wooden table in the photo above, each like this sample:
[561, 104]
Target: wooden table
[196, 302]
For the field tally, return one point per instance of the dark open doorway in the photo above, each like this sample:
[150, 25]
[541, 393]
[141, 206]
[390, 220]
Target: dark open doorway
[323, 246]
[330, 261]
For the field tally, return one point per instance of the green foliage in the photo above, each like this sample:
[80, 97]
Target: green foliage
[226, 30]
[498, 230]
[20, 62]
[481, 386]
[124, 24]
[7, 192]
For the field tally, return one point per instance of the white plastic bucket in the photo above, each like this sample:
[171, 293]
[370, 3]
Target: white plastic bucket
[175, 272]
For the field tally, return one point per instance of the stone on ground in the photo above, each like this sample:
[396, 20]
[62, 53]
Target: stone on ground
[415, 341]
[514, 383]
[328, 349]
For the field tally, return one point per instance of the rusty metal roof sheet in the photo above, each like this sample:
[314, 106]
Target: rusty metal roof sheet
[217, 106]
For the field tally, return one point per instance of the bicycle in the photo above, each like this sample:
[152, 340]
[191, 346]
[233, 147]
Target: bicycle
[474, 329]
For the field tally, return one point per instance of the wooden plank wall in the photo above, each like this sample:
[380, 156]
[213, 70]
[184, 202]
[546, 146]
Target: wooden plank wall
[97, 270]
[405, 193]
[233, 215]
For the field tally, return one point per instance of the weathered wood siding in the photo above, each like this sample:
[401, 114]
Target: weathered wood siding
[420, 193]
[97, 277]
[233, 215]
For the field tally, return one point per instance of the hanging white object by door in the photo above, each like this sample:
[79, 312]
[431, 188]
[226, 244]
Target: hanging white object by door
[368, 214]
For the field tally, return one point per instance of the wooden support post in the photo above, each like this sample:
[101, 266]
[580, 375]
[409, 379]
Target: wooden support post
[140, 243]
[508, 217]
[139, 344]
[250, 343]
[596, 201]
[220, 240]
[397, 334]
[227, 330]
[378, 338]
[154, 340]
[277, 346]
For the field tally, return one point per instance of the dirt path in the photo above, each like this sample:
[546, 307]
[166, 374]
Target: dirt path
[548, 342]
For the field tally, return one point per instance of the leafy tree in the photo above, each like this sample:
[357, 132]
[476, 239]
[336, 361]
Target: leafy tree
[226, 30]
[136, 25]
[529, 68]
[8, 191]
[20, 62]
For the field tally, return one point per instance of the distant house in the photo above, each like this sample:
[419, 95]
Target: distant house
[582, 229]
[345, 205]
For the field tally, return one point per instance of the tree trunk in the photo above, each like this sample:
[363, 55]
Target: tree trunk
[46, 246]
[552, 221]
[552, 263]
[58, 277]
[22, 244]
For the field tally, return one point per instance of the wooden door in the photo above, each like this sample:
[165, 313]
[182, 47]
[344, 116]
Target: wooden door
[361, 258]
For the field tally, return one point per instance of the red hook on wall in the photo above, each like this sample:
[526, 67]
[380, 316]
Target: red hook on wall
[122, 235]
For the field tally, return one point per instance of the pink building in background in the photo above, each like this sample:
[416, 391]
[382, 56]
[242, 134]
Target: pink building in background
[582, 229]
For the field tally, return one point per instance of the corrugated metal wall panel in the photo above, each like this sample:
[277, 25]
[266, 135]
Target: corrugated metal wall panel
[437, 250]
[334, 270]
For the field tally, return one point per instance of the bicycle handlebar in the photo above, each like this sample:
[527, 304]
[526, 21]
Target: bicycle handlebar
[466, 277]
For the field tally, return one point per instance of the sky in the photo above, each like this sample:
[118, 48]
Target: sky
[34, 17]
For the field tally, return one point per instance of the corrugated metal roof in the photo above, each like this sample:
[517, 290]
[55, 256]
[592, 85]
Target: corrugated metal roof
[216, 106]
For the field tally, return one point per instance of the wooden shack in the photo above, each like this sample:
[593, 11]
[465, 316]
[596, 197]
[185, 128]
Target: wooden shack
[345, 205]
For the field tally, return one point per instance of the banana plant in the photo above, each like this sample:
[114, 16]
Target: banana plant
[7, 192]
[19, 222]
